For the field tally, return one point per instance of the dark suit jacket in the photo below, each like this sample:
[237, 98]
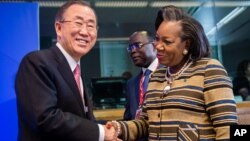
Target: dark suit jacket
[133, 96]
[48, 101]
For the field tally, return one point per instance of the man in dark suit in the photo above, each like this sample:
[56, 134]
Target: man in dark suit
[51, 100]
[143, 55]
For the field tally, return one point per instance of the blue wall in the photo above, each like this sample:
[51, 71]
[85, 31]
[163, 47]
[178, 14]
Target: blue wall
[19, 34]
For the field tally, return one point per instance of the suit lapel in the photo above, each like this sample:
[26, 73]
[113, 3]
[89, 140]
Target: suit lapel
[88, 104]
[68, 76]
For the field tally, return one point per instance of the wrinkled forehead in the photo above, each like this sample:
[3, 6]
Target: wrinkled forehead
[78, 11]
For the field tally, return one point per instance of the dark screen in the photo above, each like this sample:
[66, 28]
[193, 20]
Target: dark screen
[108, 92]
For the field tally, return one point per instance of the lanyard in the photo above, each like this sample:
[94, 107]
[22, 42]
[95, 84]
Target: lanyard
[141, 90]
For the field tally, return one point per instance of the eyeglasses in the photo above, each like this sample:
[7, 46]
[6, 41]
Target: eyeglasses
[90, 26]
[137, 45]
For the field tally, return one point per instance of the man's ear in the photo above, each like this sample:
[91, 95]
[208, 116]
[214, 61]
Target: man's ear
[58, 28]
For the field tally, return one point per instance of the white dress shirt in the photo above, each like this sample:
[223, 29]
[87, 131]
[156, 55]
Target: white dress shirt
[72, 64]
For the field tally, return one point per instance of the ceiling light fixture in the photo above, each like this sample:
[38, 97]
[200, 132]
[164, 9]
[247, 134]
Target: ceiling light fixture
[234, 13]
[113, 4]
[200, 3]
[51, 3]
[176, 3]
[231, 3]
[145, 3]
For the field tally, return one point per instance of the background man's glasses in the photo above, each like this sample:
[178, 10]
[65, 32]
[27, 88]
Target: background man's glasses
[137, 45]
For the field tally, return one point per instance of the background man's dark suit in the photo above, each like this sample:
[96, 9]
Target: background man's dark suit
[61, 110]
[132, 96]
[143, 55]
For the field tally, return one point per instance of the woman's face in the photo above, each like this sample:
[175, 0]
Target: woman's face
[169, 44]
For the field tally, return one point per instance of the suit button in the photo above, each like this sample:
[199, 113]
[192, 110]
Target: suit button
[159, 115]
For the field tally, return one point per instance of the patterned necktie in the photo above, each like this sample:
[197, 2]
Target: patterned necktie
[77, 75]
[146, 79]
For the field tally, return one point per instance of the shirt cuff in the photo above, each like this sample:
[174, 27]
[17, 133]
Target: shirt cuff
[102, 132]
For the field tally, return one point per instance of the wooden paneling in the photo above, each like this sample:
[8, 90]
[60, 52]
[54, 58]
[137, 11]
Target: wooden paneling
[109, 114]
[245, 104]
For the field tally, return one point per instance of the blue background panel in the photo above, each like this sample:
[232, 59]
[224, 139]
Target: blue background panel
[19, 29]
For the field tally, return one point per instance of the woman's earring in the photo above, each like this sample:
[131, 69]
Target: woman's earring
[185, 52]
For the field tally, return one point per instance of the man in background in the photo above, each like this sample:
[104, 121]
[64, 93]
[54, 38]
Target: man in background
[143, 55]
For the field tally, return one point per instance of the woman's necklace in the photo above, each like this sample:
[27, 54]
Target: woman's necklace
[171, 77]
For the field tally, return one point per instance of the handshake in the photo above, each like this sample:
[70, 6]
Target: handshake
[112, 131]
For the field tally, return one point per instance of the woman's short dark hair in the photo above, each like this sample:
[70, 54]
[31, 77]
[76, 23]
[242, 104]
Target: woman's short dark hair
[64, 7]
[169, 13]
[192, 30]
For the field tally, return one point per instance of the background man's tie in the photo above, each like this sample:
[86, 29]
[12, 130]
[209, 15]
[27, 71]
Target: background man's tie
[146, 79]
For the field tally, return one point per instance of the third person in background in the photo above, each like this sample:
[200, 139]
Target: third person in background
[241, 82]
[143, 55]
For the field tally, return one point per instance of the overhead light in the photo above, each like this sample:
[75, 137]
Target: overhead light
[234, 13]
[144, 3]
[51, 3]
[175, 3]
[121, 4]
[200, 3]
[231, 3]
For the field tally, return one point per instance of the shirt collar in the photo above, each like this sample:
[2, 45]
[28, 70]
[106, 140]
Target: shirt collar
[153, 66]
[70, 59]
